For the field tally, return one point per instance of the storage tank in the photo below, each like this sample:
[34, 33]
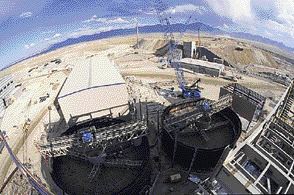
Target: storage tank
[209, 135]
[124, 168]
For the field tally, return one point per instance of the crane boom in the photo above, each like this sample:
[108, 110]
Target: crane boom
[172, 46]
[176, 62]
[160, 9]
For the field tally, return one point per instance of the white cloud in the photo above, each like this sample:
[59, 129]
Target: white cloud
[95, 19]
[28, 46]
[186, 8]
[149, 12]
[90, 31]
[285, 9]
[233, 9]
[117, 20]
[57, 35]
[26, 15]
[272, 19]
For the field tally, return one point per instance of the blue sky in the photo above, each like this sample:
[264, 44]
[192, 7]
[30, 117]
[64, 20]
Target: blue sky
[28, 26]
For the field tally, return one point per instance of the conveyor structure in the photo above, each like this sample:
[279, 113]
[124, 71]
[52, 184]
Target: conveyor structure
[107, 136]
[183, 117]
[103, 156]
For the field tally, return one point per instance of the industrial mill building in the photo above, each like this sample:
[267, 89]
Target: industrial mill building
[6, 87]
[203, 67]
[93, 89]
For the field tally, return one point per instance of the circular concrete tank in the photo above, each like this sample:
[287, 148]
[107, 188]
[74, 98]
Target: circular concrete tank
[219, 130]
[71, 173]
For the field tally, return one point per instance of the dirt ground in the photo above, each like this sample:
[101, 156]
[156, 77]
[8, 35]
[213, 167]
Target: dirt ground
[139, 63]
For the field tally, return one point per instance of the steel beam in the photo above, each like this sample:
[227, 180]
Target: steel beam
[105, 136]
[190, 117]
[32, 180]
[193, 160]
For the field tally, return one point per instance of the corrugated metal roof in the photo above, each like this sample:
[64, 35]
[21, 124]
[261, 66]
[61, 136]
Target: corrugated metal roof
[93, 85]
[91, 73]
[203, 63]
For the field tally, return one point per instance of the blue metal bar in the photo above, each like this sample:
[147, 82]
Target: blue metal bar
[36, 184]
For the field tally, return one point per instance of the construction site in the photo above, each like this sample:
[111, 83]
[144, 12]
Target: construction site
[148, 114]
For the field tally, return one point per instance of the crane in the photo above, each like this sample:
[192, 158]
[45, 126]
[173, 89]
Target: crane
[32, 180]
[174, 61]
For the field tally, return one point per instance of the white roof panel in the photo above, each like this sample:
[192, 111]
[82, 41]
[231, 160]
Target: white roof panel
[94, 84]
[90, 73]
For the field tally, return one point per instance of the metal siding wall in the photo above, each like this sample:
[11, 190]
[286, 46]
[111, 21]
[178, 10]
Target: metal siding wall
[187, 50]
[240, 105]
[7, 91]
[243, 107]
[202, 69]
[3, 83]
[223, 92]
[1, 105]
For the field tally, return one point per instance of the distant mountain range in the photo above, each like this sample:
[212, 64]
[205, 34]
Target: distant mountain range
[193, 27]
[175, 28]
[144, 29]
[261, 39]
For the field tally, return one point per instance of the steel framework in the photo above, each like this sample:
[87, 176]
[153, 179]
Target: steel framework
[266, 159]
[184, 117]
[187, 113]
[107, 136]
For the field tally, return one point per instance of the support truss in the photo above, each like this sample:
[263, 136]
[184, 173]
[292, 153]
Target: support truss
[109, 136]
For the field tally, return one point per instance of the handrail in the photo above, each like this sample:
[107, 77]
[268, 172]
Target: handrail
[34, 182]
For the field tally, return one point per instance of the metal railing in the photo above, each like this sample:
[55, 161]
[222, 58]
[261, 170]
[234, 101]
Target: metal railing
[32, 180]
[188, 118]
[103, 136]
